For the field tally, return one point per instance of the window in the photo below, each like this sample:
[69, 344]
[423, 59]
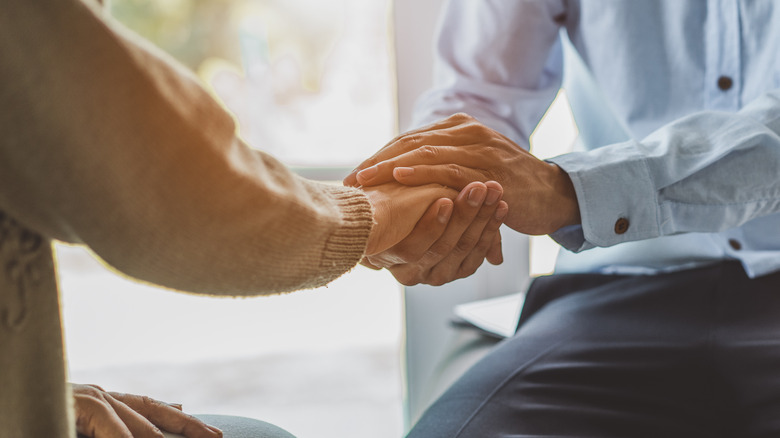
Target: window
[308, 81]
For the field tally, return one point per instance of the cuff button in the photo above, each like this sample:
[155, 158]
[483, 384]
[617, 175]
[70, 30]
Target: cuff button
[621, 226]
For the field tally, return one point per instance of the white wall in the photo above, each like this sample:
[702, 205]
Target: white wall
[415, 23]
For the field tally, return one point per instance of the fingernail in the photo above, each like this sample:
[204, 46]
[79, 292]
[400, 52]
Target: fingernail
[403, 171]
[501, 212]
[492, 196]
[176, 405]
[444, 213]
[215, 431]
[476, 196]
[367, 174]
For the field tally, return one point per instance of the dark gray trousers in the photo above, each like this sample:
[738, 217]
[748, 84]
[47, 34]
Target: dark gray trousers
[687, 354]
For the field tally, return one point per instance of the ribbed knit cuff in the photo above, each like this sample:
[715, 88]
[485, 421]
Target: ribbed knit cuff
[346, 246]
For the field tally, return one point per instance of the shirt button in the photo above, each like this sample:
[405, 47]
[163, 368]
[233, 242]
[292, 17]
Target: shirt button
[725, 83]
[735, 245]
[621, 226]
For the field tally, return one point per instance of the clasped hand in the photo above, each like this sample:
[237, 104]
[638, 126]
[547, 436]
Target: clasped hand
[459, 150]
[433, 234]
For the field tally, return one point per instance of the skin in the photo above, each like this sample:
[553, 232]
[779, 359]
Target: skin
[459, 150]
[397, 209]
[451, 240]
[102, 414]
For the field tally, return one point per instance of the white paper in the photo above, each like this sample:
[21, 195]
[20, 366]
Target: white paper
[497, 316]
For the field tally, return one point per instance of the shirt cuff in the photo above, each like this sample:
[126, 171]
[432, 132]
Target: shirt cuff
[616, 195]
[571, 238]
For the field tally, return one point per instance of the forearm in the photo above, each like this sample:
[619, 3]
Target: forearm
[112, 145]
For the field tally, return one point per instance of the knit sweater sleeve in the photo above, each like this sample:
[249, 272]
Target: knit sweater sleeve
[109, 143]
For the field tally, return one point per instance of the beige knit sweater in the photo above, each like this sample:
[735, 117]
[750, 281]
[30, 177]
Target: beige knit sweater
[106, 142]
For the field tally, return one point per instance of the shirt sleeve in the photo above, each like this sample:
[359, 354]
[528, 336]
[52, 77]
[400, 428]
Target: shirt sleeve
[506, 74]
[109, 143]
[707, 172]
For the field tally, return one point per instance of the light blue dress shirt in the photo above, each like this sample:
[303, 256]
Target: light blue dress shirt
[678, 107]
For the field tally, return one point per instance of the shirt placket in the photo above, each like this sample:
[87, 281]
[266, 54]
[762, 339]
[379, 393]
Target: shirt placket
[723, 74]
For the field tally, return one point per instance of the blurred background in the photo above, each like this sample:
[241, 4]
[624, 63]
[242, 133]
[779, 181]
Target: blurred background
[309, 81]
[313, 83]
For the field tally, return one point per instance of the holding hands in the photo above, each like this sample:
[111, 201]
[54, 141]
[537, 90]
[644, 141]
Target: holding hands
[459, 150]
[451, 238]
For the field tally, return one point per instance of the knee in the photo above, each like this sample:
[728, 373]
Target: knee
[242, 427]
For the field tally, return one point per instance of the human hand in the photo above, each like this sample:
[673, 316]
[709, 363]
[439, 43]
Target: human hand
[446, 245]
[101, 414]
[459, 150]
[397, 209]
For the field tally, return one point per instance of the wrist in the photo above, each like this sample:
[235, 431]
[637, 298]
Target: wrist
[347, 242]
[381, 214]
[566, 207]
